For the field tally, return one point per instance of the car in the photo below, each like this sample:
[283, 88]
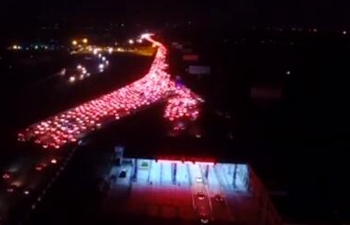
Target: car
[7, 175]
[204, 219]
[29, 191]
[12, 188]
[219, 198]
[122, 174]
[63, 72]
[199, 180]
[40, 166]
[200, 195]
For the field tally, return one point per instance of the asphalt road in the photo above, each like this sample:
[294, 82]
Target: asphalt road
[49, 95]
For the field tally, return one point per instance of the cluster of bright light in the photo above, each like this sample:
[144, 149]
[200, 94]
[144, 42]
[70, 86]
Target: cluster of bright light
[16, 47]
[36, 47]
[76, 42]
[182, 105]
[81, 72]
[83, 46]
[155, 86]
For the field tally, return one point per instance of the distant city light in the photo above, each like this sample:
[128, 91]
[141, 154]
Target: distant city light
[146, 36]
[288, 72]
[101, 66]
[344, 32]
[85, 41]
[74, 42]
[131, 41]
[139, 40]
[110, 50]
[71, 79]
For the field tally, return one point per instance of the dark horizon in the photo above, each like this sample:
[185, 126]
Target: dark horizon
[320, 14]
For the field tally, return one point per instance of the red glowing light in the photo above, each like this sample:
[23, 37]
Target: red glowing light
[38, 168]
[155, 86]
[6, 176]
[197, 162]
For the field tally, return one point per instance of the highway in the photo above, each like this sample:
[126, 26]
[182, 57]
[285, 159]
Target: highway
[155, 86]
[25, 182]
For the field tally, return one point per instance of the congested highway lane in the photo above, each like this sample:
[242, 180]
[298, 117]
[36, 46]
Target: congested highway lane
[155, 86]
[26, 181]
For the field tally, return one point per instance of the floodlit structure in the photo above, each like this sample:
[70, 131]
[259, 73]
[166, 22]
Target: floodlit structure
[191, 190]
[155, 86]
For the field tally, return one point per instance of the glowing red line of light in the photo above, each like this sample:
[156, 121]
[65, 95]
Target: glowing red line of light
[156, 85]
[185, 162]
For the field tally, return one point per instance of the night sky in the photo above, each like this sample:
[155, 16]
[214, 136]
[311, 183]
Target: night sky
[271, 12]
